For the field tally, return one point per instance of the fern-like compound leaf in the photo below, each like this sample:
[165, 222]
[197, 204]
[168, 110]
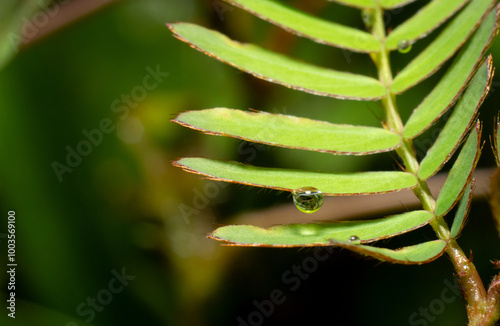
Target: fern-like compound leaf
[423, 22]
[443, 47]
[453, 82]
[279, 68]
[460, 174]
[317, 29]
[290, 131]
[320, 234]
[330, 184]
[458, 124]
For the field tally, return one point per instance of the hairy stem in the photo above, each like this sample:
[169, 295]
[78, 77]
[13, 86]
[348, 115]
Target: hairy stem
[469, 279]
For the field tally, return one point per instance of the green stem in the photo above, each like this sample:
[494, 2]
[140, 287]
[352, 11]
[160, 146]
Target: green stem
[470, 281]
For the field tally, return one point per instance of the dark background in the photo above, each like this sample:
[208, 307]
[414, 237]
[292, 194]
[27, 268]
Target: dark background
[124, 208]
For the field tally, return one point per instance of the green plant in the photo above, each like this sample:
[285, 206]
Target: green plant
[472, 27]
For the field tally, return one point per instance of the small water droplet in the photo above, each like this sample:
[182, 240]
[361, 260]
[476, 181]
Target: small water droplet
[308, 199]
[404, 46]
[354, 239]
[367, 17]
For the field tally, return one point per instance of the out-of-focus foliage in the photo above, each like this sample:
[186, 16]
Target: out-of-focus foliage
[125, 206]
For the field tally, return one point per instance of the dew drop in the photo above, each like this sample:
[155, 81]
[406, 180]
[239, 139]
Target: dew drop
[404, 46]
[308, 199]
[354, 239]
[367, 17]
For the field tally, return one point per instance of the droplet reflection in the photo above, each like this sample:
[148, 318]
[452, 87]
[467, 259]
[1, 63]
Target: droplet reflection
[354, 239]
[368, 18]
[404, 46]
[308, 199]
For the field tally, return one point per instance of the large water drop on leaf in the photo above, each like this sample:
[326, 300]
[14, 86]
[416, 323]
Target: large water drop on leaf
[404, 46]
[308, 199]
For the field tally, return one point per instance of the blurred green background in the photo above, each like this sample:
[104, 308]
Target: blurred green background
[122, 209]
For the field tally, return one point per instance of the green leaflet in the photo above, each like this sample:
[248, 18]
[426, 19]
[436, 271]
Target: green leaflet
[458, 124]
[319, 30]
[279, 68]
[288, 180]
[443, 47]
[390, 4]
[320, 234]
[414, 255]
[460, 173]
[462, 211]
[387, 4]
[423, 22]
[453, 82]
[290, 131]
[496, 140]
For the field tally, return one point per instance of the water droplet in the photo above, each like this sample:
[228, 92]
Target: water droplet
[308, 199]
[367, 17]
[404, 46]
[305, 229]
[354, 239]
